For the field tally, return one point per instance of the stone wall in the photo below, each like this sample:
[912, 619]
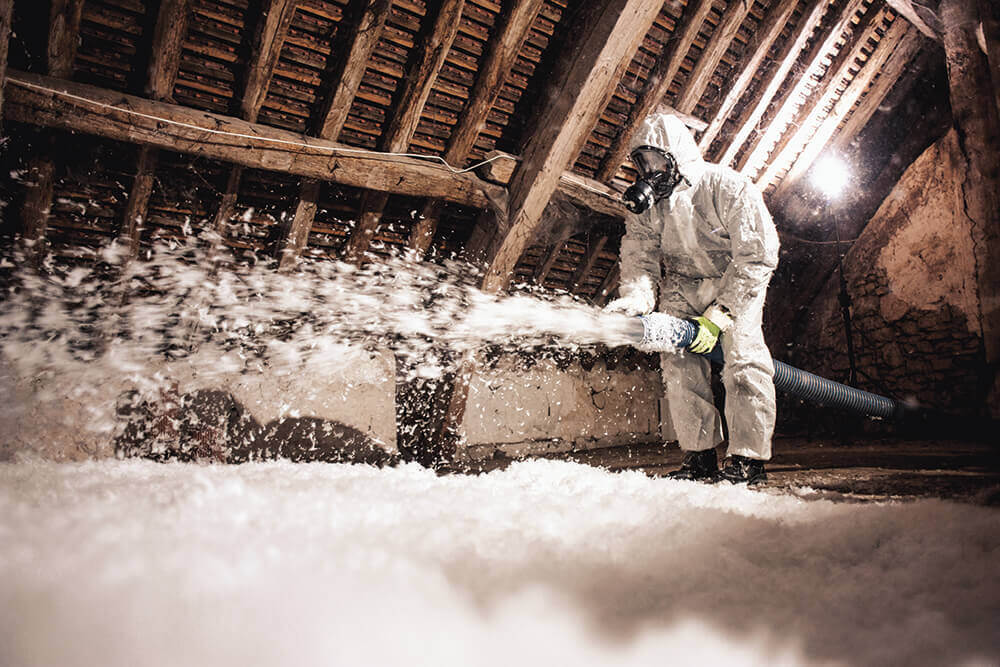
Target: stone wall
[914, 303]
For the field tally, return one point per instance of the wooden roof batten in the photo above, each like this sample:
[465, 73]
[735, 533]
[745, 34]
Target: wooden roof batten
[657, 85]
[896, 49]
[417, 83]
[797, 84]
[64, 32]
[355, 43]
[814, 110]
[514, 25]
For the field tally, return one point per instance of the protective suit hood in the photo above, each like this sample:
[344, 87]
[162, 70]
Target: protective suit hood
[668, 132]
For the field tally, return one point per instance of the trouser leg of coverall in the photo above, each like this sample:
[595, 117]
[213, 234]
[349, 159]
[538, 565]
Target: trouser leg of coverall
[748, 376]
[687, 381]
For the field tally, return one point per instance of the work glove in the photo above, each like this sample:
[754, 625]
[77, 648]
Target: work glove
[711, 324]
[706, 337]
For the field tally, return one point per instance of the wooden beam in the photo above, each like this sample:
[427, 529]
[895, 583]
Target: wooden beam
[989, 13]
[608, 285]
[542, 269]
[750, 117]
[595, 245]
[753, 55]
[347, 69]
[372, 205]
[701, 74]
[811, 139]
[47, 102]
[227, 203]
[807, 118]
[6, 13]
[138, 199]
[269, 37]
[513, 26]
[922, 16]
[609, 35]
[297, 234]
[798, 82]
[899, 64]
[975, 119]
[168, 42]
[657, 84]
[64, 37]
[417, 84]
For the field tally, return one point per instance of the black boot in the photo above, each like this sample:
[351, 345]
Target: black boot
[743, 470]
[698, 466]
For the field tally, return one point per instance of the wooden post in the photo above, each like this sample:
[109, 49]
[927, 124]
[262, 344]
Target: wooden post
[975, 117]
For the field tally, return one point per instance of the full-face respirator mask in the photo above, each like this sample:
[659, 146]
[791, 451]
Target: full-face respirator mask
[658, 176]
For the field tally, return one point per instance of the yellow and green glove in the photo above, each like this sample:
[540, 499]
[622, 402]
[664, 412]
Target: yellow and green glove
[706, 337]
[711, 324]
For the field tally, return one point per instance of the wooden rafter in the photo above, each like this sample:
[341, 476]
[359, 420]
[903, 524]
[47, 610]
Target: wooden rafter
[750, 117]
[417, 85]
[657, 85]
[348, 68]
[608, 285]
[798, 82]
[812, 111]
[753, 55]
[164, 63]
[269, 37]
[168, 40]
[698, 79]
[40, 100]
[608, 37]
[6, 13]
[808, 145]
[355, 41]
[543, 268]
[64, 31]
[975, 118]
[921, 15]
[513, 26]
[595, 245]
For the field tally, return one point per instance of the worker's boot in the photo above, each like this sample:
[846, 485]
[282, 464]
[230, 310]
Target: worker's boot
[743, 470]
[700, 466]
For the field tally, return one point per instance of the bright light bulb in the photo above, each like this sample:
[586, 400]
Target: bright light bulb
[830, 175]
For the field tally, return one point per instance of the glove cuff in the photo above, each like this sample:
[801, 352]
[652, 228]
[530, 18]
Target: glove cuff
[719, 316]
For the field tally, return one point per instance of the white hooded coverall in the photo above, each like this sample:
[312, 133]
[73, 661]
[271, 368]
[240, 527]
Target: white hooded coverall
[717, 244]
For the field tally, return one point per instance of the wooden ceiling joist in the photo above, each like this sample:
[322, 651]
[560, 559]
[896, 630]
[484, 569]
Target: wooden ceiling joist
[64, 37]
[797, 85]
[701, 74]
[922, 15]
[657, 84]
[417, 84]
[348, 68]
[543, 268]
[269, 38]
[607, 38]
[754, 53]
[513, 26]
[750, 117]
[812, 112]
[78, 107]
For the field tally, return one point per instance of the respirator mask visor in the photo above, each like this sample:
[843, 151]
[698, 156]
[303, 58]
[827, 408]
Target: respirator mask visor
[656, 180]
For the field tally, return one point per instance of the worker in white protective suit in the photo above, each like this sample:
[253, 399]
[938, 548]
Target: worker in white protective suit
[702, 235]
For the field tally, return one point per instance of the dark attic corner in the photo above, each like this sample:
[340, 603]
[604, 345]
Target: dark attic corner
[372, 331]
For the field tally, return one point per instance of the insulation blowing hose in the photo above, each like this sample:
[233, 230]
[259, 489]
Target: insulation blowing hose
[661, 332]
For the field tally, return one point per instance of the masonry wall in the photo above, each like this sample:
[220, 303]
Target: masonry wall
[914, 303]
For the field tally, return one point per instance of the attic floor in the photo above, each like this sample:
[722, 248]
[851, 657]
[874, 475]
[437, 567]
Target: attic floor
[858, 469]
